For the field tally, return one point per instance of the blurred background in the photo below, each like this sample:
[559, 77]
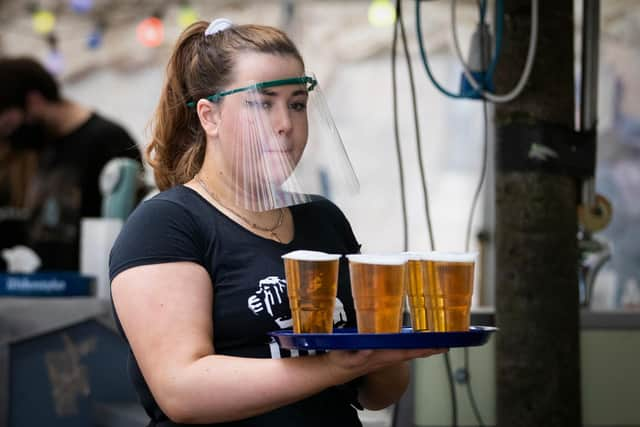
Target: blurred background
[110, 55]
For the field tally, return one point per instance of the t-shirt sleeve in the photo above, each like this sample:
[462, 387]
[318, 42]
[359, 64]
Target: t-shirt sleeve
[158, 231]
[111, 140]
[350, 238]
[122, 145]
[344, 228]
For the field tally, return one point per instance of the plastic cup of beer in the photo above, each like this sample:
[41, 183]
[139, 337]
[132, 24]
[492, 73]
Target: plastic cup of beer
[312, 285]
[449, 277]
[417, 291]
[378, 289]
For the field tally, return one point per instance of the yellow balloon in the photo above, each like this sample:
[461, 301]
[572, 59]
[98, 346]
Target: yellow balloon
[43, 22]
[186, 16]
[382, 13]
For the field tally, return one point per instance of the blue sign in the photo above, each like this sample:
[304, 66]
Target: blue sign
[47, 284]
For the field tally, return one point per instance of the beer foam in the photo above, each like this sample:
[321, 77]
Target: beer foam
[416, 256]
[396, 259]
[311, 256]
[450, 256]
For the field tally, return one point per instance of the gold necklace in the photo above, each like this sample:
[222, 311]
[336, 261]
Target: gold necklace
[271, 230]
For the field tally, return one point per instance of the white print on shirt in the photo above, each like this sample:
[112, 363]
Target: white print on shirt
[339, 315]
[271, 298]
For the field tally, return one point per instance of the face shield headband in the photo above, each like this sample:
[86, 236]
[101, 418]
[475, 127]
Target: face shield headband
[308, 81]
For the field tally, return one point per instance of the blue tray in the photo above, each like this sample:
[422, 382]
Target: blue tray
[350, 339]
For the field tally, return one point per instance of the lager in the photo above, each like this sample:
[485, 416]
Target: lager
[378, 286]
[450, 286]
[416, 288]
[312, 284]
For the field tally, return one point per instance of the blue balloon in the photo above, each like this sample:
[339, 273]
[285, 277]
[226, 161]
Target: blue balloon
[54, 62]
[81, 6]
[94, 40]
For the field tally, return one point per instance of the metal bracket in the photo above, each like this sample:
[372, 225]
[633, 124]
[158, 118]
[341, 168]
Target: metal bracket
[545, 147]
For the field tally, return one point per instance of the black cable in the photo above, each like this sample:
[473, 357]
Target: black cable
[452, 391]
[472, 399]
[474, 203]
[400, 21]
[425, 197]
[396, 131]
[483, 171]
[396, 134]
[423, 178]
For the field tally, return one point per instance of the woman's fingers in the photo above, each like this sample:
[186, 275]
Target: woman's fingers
[368, 360]
[430, 352]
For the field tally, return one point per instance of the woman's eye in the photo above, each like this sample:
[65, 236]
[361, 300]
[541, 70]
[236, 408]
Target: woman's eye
[259, 104]
[298, 106]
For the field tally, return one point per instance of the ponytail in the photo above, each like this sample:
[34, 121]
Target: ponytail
[177, 147]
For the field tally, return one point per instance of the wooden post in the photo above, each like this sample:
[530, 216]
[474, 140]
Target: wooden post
[537, 348]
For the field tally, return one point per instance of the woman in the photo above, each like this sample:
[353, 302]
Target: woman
[197, 275]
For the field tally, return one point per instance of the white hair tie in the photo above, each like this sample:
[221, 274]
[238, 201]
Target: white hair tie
[218, 25]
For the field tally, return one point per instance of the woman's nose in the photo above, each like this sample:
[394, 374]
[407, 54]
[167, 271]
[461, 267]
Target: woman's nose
[282, 121]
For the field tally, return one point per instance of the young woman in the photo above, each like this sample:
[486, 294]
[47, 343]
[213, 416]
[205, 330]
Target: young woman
[197, 275]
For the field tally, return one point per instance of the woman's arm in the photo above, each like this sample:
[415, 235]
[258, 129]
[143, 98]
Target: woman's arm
[166, 313]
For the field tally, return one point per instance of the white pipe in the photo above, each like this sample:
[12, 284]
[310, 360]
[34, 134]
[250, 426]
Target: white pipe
[531, 53]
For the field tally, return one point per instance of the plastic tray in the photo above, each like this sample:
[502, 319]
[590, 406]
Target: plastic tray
[350, 339]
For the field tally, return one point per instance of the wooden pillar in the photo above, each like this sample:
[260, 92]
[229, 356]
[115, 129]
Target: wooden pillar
[538, 352]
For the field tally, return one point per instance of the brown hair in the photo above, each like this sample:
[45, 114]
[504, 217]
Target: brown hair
[21, 75]
[200, 66]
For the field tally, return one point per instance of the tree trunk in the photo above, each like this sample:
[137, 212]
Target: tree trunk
[537, 347]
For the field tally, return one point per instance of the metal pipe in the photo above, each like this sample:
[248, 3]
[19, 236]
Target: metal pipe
[589, 193]
[589, 81]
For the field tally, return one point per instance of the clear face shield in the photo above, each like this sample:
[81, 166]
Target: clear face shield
[278, 145]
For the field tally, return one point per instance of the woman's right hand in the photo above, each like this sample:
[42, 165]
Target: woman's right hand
[351, 364]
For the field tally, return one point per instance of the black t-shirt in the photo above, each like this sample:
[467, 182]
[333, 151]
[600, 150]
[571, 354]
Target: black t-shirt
[64, 190]
[250, 295]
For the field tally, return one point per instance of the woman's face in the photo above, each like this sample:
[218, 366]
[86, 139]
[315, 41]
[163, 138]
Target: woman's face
[263, 133]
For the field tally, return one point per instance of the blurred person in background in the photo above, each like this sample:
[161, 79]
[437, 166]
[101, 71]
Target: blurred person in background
[197, 278]
[52, 151]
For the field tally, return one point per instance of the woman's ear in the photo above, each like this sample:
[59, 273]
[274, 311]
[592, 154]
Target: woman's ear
[209, 115]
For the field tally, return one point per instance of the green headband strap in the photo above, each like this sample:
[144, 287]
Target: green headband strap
[312, 82]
